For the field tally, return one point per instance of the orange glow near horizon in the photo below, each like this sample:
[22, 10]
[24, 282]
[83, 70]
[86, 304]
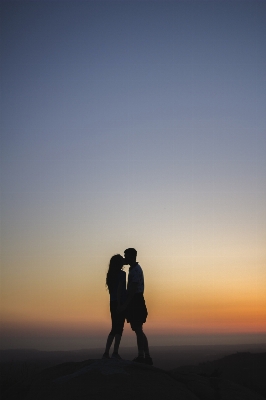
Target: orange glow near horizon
[190, 310]
[187, 296]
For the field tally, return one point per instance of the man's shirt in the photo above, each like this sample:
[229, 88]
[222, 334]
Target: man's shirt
[136, 276]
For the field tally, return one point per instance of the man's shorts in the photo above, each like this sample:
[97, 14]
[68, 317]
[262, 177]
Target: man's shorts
[136, 312]
[135, 325]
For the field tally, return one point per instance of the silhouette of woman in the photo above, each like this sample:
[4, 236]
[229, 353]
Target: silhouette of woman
[116, 283]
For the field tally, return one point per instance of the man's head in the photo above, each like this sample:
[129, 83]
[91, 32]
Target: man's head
[130, 256]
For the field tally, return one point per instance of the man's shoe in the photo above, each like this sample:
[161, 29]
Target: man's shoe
[140, 360]
[116, 356]
[105, 355]
[148, 360]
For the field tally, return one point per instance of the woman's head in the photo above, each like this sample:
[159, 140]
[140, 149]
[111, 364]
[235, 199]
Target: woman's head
[116, 262]
[115, 265]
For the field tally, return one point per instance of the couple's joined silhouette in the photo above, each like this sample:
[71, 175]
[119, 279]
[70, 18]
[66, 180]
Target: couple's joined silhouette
[127, 303]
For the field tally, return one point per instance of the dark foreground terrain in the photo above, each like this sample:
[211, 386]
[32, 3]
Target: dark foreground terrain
[44, 375]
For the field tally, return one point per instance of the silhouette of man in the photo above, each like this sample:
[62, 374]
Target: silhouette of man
[136, 311]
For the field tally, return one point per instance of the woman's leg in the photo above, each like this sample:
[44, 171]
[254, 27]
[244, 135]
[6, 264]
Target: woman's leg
[118, 321]
[119, 326]
[109, 342]
[117, 342]
[111, 335]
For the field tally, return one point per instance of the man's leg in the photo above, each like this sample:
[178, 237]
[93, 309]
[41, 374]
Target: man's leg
[140, 340]
[143, 346]
[148, 359]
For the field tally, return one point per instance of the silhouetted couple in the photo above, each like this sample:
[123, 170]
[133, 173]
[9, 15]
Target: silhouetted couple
[127, 303]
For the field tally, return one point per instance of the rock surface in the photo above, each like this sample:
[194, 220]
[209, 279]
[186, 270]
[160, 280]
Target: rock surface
[107, 379]
[122, 379]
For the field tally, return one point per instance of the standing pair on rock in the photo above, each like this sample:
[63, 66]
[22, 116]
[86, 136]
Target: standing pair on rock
[127, 304]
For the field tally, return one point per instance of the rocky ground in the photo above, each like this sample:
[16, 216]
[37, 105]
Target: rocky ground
[236, 377]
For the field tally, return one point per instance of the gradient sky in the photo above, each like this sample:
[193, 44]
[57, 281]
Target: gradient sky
[133, 124]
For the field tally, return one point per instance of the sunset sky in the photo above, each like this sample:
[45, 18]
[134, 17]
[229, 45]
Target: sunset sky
[133, 124]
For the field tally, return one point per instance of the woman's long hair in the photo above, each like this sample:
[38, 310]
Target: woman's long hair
[113, 270]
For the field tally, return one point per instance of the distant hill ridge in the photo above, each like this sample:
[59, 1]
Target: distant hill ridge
[165, 357]
[245, 369]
